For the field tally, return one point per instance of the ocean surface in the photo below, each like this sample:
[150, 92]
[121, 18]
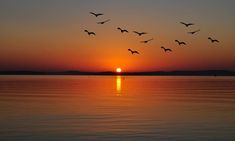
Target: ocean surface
[117, 108]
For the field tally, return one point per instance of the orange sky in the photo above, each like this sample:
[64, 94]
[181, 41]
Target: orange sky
[50, 35]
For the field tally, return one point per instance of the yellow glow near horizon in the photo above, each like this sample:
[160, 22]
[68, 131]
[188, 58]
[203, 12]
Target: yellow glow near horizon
[118, 70]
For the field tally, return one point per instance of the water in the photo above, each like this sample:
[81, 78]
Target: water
[117, 108]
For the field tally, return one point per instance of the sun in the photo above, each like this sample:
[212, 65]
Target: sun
[118, 70]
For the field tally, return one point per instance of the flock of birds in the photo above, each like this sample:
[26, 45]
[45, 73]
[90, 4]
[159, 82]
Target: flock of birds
[143, 33]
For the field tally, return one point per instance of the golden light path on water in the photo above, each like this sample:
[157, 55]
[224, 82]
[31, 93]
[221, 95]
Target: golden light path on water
[118, 85]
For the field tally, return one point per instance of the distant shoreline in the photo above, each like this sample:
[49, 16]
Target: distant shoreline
[153, 73]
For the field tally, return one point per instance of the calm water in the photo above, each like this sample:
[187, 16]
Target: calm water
[114, 108]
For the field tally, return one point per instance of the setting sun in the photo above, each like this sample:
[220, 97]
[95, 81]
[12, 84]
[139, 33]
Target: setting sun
[118, 70]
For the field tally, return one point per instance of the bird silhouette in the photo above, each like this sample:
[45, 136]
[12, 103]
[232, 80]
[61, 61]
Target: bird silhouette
[122, 30]
[133, 51]
[180, 43]
[96, 14]
[193, 32]
[146, 41]
[213, 40]
[140, 33]
[166, 49]
[187, 24]
[89, 33]
[103, 22]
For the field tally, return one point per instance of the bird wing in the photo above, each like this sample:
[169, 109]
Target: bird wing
[99, 14]
[146, 41]
[92, 13]
[136, 32]
[106, 21]
[103, 22]
[183, 23]
[192, 32]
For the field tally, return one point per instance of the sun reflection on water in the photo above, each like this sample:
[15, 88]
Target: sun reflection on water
[118, 85]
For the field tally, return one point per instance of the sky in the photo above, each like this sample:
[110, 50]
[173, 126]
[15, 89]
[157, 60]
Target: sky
[48, 35]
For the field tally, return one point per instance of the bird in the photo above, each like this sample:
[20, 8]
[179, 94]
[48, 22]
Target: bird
[193, 32]
[180, 43]
[146, 41]
[187, 24]
[166, 49]
[96, 14]
[122, 30]
[103, 22]
[140, 33]
[133, 51]
[213, 40]
[90, 33]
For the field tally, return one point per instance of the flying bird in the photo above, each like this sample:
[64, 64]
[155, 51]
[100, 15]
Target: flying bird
[103, 22]
[180, 43]
[187, 24]
[213, 40]
[140, 33]
[96, 14]
[166, 49]
[122, 30]
[133, 51]
[90, 33]
[146, 41]
[193, 32]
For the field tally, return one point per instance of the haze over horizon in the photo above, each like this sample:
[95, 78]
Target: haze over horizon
[49, 35]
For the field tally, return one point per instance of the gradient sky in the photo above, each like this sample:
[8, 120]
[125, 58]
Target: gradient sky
[49, 35]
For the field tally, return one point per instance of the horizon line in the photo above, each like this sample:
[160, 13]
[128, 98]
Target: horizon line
[147, 73]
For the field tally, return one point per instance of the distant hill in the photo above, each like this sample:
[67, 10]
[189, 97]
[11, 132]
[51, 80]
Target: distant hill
[153, 73]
